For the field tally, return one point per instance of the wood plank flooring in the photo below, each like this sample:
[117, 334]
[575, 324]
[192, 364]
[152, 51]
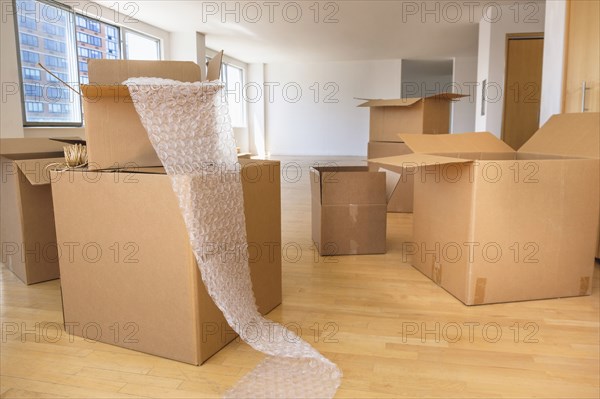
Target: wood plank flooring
[391, 330]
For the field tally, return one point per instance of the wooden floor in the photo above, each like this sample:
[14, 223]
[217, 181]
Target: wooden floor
[392, 331]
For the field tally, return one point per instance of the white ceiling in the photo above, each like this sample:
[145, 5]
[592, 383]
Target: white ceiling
[358, 30]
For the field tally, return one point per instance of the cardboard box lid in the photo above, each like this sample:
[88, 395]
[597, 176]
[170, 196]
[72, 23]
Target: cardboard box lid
[411, 161]
[37, 171]
[575, 135]
[111, 72]
[407, 102]
[455, 143]
[23, 146]
[342, 185]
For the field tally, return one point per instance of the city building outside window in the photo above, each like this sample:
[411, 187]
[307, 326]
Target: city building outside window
[62, 40]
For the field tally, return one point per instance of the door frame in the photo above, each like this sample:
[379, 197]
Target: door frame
[513, 36]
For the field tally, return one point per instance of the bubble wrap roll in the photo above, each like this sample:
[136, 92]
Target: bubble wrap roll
[189, 127]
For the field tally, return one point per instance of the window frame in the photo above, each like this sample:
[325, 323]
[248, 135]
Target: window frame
[77, 70]
[27, 123]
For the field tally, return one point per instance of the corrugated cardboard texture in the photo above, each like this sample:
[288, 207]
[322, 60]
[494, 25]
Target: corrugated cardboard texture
[348, 210]
[146, 279]
[115, 72]
[424, 115]
[17, 148]
[456, 143]
[574, 135]
[28, 245]
[401, 199]
[519, 236]
[114, 133]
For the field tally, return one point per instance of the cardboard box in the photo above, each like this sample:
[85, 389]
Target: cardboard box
[348, 210]
[128, 274]
[422, 115]
[27, 232]
[400, 187]
[114, 133]
[495, 225]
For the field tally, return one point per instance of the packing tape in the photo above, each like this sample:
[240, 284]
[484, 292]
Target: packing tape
[189, 127]
[437, 272]
[480, 284]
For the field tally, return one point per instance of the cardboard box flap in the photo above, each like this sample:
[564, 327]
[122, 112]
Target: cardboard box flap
[20, 146]
[399, 102]
[411, 161]
[37, 171]
[567, 135]
[391, 182]
[94, 91]
[455, 143]
[407, 102]
[69, 140]
[111, 72]
[351, 185]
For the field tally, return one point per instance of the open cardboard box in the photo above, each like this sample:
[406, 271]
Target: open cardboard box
[400, 188]
[495, 225]
[28, 246]
[348, 210]
[420, 115]
[115, 135]
[128, 274]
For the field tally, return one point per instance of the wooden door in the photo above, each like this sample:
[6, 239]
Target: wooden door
[522, 87]
[582, 69]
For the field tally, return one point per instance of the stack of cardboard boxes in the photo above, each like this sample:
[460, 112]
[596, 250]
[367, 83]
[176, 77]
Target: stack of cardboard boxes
[114, 229]
[389, 119]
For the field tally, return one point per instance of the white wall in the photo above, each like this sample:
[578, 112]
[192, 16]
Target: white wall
[426, 77]
[464, 81]
[492, 53]
[255, 75]
[553, 69]
[315, 124]
[11, 123]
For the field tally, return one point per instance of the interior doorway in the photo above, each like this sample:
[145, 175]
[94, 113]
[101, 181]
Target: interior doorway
[522, 87]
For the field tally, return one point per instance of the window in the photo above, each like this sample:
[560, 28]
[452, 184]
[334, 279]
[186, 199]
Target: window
[29, 56]
[62, 40]
[57, 62]
[31, 74]
[33, 90]
[59, 108]
[233, 78]
[141, 47]
[54, 30]
[29, 40]
[89, 39]
[54, 45]
[31, 106]
[62, 76]
[27, 23]
[49, 28]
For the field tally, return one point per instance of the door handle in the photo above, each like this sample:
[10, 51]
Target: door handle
[584, 88]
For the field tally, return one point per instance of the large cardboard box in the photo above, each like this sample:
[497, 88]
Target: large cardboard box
[113, 130]
[495, 225]
[115, 135]
[400, 185]
[348, 210]
[422, 115]
[28, 238]
[128, 274]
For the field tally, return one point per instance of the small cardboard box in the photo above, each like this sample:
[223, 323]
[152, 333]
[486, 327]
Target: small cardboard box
[128, 274]
[26, 216]
[115, 135]
[495, 225]
[421, 115]
[348, 210]
[400, 187]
